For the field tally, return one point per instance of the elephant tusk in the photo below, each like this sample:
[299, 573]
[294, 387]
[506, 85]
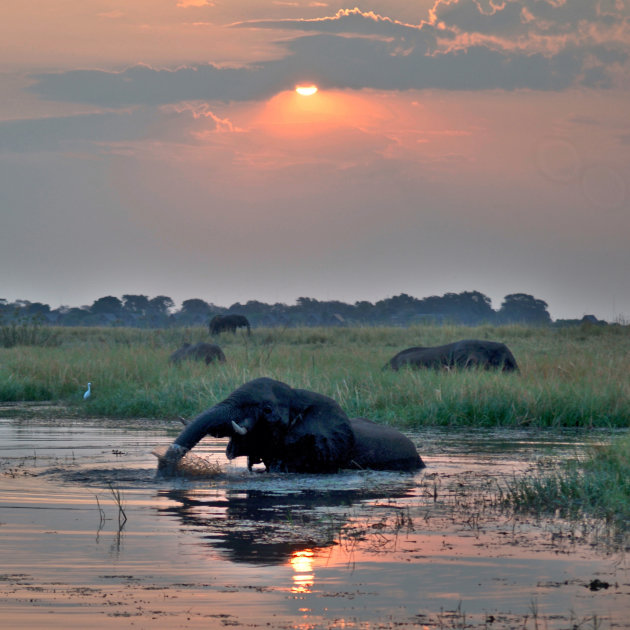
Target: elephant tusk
[240, 430]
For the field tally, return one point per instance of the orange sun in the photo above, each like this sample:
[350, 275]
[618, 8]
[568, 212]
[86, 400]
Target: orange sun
[306, 90]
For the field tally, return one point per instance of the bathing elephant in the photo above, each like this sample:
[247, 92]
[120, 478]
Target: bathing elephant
[229, 323]
[294, 430]
[465, 353]
[201, 351]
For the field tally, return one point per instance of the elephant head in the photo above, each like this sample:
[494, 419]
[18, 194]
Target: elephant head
[287, 429]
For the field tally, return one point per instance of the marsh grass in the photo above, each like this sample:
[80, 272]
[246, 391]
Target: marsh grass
[597, 484]
[576, 377]
[27, 332]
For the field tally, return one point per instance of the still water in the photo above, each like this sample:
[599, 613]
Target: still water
[89, 538]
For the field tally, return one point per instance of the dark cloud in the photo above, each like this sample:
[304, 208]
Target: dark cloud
[331, 62]
[350, 21]
[465, 45]
[80, 132]
[527, 17]
[145, 85]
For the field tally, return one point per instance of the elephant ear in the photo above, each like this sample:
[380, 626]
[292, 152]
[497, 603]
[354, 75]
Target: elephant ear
[320, 437]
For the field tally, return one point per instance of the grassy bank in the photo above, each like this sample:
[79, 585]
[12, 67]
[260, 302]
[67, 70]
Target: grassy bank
[596, 485]
[573, 377]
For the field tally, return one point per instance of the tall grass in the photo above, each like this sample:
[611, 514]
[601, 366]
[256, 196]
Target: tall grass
[595, 485]
[26, 332]
[576, 377]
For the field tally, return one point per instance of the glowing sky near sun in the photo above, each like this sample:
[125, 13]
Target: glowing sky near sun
[448, 148]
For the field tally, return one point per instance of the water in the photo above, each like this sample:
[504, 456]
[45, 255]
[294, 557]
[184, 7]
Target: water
[353, 550]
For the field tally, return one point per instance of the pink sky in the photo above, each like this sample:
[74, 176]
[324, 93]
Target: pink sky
[159, 148]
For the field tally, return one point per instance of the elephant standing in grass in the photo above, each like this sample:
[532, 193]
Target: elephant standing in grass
[228, 323]
[294, 430]
[466, 353]
[201, 351]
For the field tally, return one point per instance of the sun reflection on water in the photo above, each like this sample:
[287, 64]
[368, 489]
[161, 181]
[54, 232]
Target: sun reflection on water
[303, 577]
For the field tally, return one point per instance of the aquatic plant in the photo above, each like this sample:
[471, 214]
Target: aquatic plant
[597, 484]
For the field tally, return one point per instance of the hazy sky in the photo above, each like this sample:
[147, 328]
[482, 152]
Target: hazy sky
[159, 147]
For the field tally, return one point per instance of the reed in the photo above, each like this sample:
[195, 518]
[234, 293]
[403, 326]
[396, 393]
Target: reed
[597, 484]
[26, 332]
[572, 377]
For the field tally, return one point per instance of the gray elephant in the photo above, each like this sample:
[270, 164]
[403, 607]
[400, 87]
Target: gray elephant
[201, 351]
[465, 353]
[228, 323]
[294, 430]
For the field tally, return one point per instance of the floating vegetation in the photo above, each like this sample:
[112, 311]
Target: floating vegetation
[192, 465]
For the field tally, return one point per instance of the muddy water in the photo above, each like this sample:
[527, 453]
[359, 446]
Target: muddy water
[354, 550]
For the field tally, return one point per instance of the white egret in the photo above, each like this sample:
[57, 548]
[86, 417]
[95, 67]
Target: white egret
[88, 392]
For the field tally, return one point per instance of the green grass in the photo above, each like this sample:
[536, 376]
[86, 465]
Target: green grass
[573, 377]
[596, 485]
[26, 333]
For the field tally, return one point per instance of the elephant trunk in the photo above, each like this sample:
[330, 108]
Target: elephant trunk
[217, 421]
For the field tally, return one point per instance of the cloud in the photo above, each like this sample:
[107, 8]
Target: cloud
[347, 21]
[463, 45]
[89, 132]
[142, 84]
[526, 16]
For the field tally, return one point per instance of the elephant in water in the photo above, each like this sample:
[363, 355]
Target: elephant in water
[228, 323]
[201, 351]
[294, 430]
[465, 353]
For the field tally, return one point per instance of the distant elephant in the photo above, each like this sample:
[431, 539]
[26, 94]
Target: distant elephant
[465, 353]
[294, 430]
[229, 323]
[201, 351]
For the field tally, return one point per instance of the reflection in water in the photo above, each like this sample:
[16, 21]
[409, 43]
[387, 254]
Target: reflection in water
[303, 576]
[268, 527]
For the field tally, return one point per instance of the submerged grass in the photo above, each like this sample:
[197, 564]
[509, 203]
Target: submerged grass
[597, 484]
[574, 377]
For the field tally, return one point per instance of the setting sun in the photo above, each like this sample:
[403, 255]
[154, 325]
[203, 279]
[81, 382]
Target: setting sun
[306, 90]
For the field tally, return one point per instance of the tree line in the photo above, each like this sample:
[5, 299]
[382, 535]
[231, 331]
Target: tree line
[467, 308]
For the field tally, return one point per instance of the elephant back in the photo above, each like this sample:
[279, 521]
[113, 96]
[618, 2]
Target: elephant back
[380, 447]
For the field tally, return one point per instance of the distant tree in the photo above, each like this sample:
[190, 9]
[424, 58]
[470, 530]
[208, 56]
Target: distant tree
[251, 307]
[37, 309]
[399, 309]
[194, 312]
[76, 316]
[157, 312]
[523, 308]
[195, 306]
[468, 307]
[106, 306]
[161, 304]
[258, 313]
[307, 304]
[363, 311]
[136, 304]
